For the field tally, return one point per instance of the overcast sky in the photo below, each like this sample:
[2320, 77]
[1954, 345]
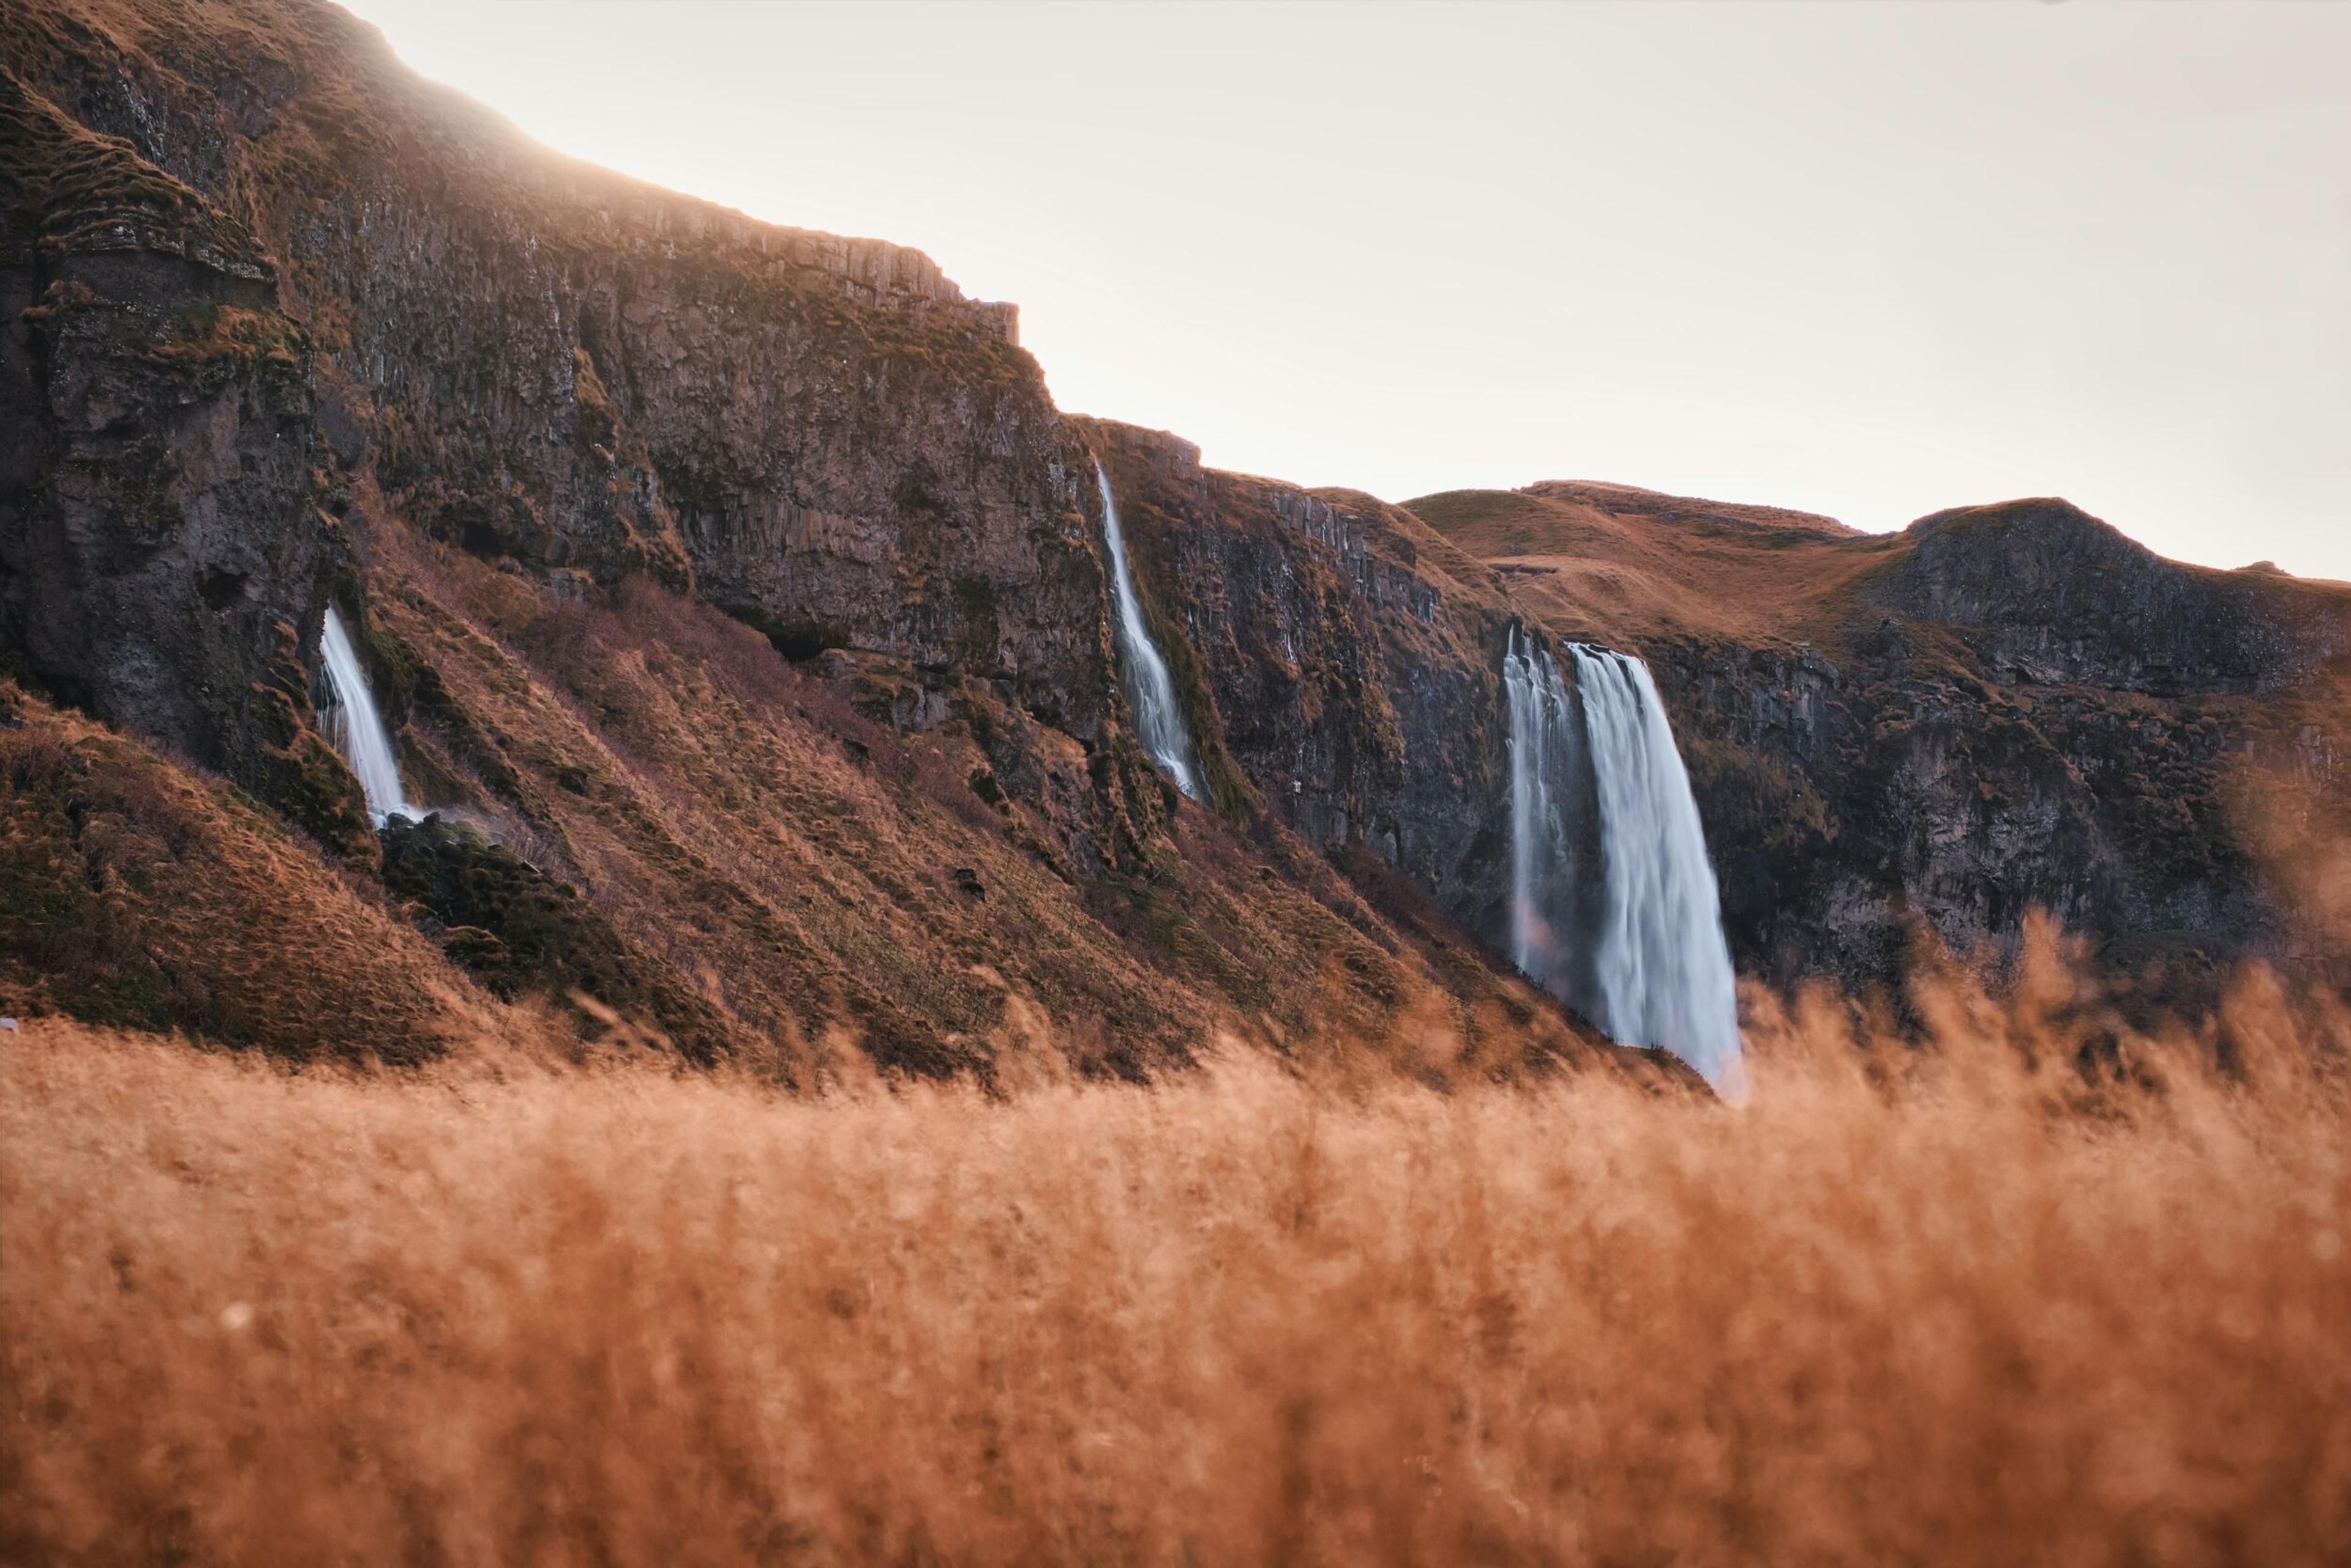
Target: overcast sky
[1868, 260]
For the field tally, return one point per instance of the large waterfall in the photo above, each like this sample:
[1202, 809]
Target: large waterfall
[1637, 944]
[357, 730]
[1150, 690]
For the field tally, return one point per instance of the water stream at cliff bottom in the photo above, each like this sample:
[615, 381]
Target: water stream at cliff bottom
[1150, 689]
[1635, 941]
[352, 723]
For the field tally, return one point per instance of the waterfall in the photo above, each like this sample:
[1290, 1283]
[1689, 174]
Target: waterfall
[1638, 948]
[1543, 848]
[355, 727]
[1150, 690]
[1664, 974]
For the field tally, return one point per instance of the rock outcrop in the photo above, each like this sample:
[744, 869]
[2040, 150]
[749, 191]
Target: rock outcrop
[165, 558]
[2002, 709]
[2044, 594]
[547, 362]
[1341, 659]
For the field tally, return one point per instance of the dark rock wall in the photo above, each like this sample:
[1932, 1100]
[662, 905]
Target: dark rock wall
[163, 559]
[2043, 593]
[1341, 662]
[1851, 804]
[552, 364]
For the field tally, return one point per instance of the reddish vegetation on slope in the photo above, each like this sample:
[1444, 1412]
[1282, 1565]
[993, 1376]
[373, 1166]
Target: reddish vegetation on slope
[2042, 1277]
[137, 894]
[1627, 566]
[781, 875]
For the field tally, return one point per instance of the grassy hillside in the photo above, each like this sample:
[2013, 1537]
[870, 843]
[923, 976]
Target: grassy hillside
[136, 893]
[1628, 567]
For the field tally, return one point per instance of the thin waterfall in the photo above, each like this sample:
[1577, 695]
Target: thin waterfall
[1637, 944]
[1150, 690]
[1542, 847]
[356, 728]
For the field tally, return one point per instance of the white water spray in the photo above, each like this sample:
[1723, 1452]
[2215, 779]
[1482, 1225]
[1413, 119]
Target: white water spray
[1150, 690]
[355, 727]
[1664, 967]
[1643, 953]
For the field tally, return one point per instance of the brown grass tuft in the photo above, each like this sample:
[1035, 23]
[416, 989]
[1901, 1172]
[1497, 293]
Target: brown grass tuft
[1963, 1302]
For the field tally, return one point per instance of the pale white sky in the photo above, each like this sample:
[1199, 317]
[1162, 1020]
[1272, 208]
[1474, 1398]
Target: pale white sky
[1868, 260]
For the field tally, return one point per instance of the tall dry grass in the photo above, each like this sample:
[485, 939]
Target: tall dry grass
[1905, 1304]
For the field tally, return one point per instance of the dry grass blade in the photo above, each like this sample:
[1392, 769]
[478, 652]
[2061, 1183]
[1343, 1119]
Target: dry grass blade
[1900, 1306]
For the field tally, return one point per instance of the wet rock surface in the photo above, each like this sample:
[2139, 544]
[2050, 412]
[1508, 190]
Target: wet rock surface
[161, 548]
[2005, 709]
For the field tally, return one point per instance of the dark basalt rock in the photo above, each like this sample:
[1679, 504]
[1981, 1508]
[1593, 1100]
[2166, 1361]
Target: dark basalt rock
[519, 931]
[531, 359]
[159, 523]
[2046, 594]
[1339, 662]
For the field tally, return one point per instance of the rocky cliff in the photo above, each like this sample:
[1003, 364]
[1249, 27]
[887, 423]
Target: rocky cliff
[546, 363]
[741, 594]
[159, 529]
[2002, 708]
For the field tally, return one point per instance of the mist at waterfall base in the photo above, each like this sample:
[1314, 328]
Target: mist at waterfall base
[1613, 906]
[1150, 690]
[356, 728]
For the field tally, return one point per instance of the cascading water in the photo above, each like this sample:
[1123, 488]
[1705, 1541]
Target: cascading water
[358, 732]
[1543, 848]
[1663, 968]
[1639, 948]
[1150, 690]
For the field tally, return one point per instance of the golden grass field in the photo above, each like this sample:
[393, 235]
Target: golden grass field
[1945, 1301]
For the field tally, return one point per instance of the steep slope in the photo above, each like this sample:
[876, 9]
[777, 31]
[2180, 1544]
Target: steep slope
[156, 404]
[551, 363]
[2000, 709]
[134, 895]
[768, 832]
[707, 847]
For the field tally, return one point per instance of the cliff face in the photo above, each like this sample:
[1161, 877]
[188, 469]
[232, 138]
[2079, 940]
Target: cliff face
[2044, 594]
[159, 531]
[2005, 709]
[745, 585]
[552, 364]
[531, 425]
[1339, 658]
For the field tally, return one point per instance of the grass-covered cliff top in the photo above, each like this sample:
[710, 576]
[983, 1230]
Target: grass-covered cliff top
[67, 188]
[1633, 566]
